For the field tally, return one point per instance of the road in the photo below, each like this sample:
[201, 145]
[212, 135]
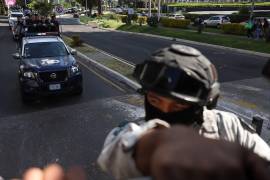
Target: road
[231, 66]
[69, 129]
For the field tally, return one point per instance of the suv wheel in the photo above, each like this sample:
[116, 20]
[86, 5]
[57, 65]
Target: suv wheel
[218, 26]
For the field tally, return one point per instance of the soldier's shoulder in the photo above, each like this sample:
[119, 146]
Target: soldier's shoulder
[232, 119]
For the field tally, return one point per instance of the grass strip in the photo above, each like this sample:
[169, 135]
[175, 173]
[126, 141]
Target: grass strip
[233, 41]
[114, 64]
[223, 40]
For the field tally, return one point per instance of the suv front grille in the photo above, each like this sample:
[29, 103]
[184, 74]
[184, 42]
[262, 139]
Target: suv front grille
[53, 76]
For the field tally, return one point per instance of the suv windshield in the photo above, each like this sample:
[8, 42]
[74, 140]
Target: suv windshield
[16, 15]
[44, 49]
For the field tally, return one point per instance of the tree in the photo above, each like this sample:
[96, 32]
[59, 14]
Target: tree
[43, 8]
[90, 4]
[99, 7]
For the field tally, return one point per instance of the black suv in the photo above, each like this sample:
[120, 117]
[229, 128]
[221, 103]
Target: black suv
[47, 67]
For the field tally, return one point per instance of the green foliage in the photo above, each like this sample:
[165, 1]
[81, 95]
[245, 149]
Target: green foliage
[175, 23]
[112, 16]
[142, 20]
[244, 11]
[2, 7]
[66, 5]
[43, 8]
[234, 28]
[122, 18]
[134, 17]
[76, 41]
[238, 18]
[152, 21]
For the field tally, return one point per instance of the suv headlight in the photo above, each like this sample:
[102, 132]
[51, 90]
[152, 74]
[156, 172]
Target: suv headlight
[29, 74]
[74, 69]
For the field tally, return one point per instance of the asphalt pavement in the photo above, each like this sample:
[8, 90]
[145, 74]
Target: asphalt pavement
[94, 87]
[67, 129]
[231, 65]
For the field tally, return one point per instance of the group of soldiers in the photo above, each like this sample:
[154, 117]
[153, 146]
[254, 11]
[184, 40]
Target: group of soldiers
[35, 24]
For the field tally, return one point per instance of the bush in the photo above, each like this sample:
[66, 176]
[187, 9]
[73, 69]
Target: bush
[176, 23]
[237, 18]
[142, 20]
[244, 11]
[234, 28]
[134, 17]
[76, 41]
[122, 18]
[152, 21]
[113, 16]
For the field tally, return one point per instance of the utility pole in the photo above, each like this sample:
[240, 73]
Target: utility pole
[150, 6]
[252, 9]
[159, 10]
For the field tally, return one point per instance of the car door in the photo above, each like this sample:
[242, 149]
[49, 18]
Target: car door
[212, 21]
[216, 21]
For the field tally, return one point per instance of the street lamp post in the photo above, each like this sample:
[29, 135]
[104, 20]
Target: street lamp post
[150, 4]
[159, 10]
[86, 6]
[252, 9]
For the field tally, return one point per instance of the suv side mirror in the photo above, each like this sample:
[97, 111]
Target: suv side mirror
[16, 56]
[73, 52]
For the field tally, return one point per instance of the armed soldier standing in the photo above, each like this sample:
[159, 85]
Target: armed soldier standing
[180, 87]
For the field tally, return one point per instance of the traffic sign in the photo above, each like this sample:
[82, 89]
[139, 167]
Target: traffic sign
[59, 9]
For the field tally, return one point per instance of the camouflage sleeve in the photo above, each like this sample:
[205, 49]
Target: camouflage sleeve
[236, 130]
[116, 157]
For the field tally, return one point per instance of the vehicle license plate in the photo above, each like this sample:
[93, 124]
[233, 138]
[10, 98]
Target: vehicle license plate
[53, 87]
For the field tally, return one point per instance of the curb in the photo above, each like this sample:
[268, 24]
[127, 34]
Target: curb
[119, 77]
[243, 51]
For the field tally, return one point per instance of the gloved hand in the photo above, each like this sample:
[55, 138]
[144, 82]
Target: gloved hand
[180, 153]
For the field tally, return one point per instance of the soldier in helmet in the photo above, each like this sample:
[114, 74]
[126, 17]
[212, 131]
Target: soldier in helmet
[180, 87]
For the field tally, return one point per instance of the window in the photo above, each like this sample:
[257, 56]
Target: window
[44, 49]
[16, 15]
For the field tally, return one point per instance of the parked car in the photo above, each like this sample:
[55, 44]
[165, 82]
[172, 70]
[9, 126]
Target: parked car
[216, 21]
[12, 18]
[117, 10]
[71, 10]
[176, 16]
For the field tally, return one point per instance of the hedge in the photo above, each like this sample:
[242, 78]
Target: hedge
[142, 20]
[122, 18]
[176, 23]
[236, 18]
[234, 28]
